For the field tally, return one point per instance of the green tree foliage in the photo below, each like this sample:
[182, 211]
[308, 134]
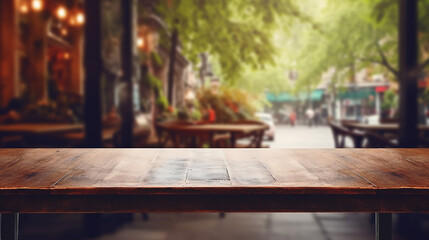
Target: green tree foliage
[257, 42]
[357, 34]
[239, 34]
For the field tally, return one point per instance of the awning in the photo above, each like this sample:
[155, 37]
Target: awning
[362, 93]
[315, 95]
[283, 97]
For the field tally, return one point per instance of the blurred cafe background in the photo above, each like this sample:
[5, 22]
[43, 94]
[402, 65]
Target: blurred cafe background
[213, 74]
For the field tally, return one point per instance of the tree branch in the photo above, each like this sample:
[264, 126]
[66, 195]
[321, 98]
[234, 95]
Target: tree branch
[384, 60]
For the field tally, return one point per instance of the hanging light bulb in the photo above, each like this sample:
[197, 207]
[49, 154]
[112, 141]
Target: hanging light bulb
[140, 42]
[72, 21]
[80, 18]
[37, 5]
[23, 8]
[64, 31]
[61, 12]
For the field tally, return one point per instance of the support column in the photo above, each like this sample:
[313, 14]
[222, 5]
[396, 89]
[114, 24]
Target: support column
[93, 68]
[408, 73]
[129, 50]
[173, 49]
[8, 65]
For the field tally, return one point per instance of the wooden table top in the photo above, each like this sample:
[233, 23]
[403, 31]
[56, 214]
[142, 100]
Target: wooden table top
[214, 127]
[38, 128]
[381, 127]
[251, 180]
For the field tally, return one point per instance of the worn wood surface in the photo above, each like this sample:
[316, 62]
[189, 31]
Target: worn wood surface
[141, 180]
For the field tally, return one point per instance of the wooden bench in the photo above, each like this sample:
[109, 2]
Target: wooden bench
[213, 180]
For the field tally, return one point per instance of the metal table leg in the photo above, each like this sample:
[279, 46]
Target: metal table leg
[383, 226]
[9, 226]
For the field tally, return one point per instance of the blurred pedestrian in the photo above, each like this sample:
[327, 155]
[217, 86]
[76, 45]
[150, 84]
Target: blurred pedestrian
[310, 116]
[292, 118]
[317, 117]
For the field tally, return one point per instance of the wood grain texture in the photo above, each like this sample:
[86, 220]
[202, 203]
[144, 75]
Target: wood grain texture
[133, 180]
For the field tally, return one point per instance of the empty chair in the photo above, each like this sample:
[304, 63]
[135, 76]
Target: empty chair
[341, 133]
[374, 140]
[345, 123]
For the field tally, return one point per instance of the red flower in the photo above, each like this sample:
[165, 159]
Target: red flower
[212, 115]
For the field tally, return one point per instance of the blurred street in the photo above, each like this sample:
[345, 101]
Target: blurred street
[302, 137]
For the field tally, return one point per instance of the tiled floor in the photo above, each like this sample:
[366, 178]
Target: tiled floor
[249, 226]
[201, 226]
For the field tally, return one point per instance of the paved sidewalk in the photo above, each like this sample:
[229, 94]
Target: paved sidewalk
[302, 137]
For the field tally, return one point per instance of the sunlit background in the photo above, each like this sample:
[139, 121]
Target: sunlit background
[308, 73]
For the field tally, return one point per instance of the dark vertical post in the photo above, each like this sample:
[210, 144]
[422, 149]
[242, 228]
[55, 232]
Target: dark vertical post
[9, 226]
[383, 226]
[128, 45]
[93, 68]
[174, 38]
[408, 75]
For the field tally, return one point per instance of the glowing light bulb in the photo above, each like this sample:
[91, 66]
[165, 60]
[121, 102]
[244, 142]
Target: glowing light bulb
[80, 18]
[24, 8]
[140, 42]
[37, 5]
[72, 21]
[61, 12]
[64, 31]
[66, 55]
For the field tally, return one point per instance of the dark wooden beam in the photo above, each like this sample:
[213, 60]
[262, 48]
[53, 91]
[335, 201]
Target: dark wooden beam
[408, 75]
[128, 49]
[93, 68]
[174, 39]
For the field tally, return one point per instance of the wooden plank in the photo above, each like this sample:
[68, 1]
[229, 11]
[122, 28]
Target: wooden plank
[207, 168]
[417, 156]
[245, 169]
[385, 169]
[42, 168]
[10, 156]
[170, 168]
[311, 168]
[91, 172]
[131, 169]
